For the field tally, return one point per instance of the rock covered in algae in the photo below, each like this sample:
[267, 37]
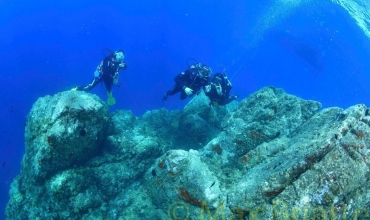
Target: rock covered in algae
[271, 156]
[181, 175]
[264, 116]
[83, 163]
[62, 131]
[317, 167]
[201, 122]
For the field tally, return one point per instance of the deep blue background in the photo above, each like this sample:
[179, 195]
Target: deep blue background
[51, 46]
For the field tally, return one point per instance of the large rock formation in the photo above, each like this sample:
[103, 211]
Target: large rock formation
[62, 131]
[271, 156]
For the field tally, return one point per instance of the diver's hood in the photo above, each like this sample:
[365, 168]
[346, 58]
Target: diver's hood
[120, 56]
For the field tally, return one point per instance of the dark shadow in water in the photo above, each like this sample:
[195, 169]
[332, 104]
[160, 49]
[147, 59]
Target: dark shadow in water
[309, 53]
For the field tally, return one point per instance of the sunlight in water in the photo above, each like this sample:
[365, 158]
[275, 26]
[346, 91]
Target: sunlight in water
[359, 10]
[274, 14]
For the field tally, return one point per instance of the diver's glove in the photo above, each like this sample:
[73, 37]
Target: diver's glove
[207, 88]
[234, 97]
[123, 65]
[188, 91]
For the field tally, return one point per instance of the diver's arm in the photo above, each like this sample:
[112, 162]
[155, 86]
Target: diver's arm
[179, 79]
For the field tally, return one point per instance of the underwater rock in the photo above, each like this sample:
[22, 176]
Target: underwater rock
[120, 121]
[63, 131]
[181, 176]
[317, 165]
[82, 158]
[201, 122]
[271, 156]
[138, 141]
[319, 169]
[262, 117]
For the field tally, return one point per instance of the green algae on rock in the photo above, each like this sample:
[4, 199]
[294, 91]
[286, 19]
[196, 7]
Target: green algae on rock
[271, 156]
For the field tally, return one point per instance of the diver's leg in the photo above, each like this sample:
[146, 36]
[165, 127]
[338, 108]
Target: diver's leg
[175, 89]
[89, 87]
[108, 81]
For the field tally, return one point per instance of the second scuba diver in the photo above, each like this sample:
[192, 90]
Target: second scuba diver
[218, 90]
[190, 81]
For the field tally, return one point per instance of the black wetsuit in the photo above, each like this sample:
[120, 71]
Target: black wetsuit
[107, 69]
[218, 90]
[193, 78]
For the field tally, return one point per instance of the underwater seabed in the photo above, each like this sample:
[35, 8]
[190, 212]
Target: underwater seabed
[271, 156]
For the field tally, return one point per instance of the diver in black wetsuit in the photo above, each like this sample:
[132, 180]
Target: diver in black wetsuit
[218, 90]
[190, 81]
[107, 72]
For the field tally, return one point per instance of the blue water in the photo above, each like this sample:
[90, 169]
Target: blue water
[315, 51]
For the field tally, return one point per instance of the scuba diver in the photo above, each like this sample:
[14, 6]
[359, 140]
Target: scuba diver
[218, 90]
[107, 72]
[190, 81]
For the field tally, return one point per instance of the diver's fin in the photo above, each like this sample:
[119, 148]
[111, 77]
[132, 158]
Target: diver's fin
[111, 100]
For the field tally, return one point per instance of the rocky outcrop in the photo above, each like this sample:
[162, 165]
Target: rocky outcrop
[271, 156]
[80, 161]
[279, 157]
[189, 178]
[62, 131]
